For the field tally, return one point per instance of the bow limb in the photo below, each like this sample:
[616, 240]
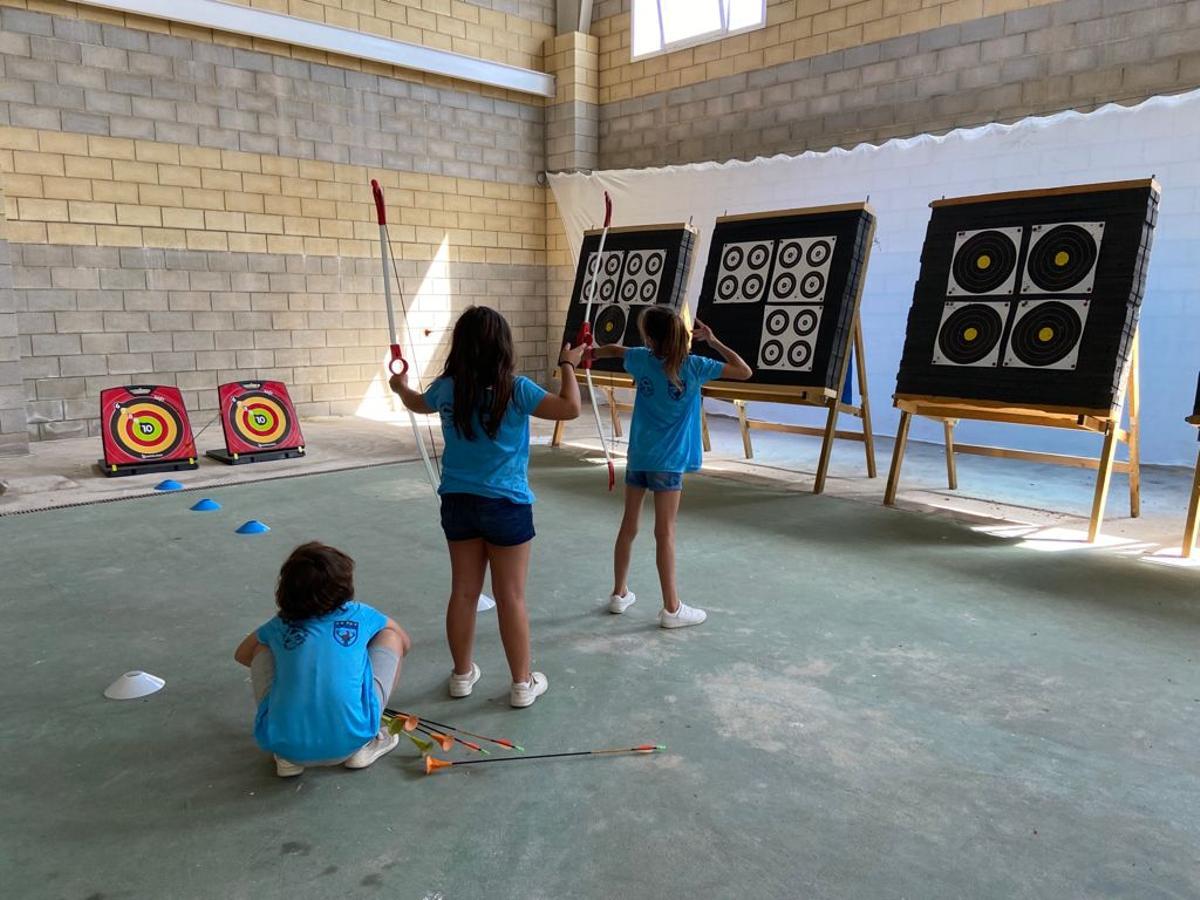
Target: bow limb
[585, 339]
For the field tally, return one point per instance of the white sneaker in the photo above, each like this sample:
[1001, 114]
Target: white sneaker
[522, 695]
[461, 685]
[285, 769]
[682, 617]
[618, 605]
[380, 745]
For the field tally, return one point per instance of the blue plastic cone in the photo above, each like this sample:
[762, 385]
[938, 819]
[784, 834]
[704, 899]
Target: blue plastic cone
[206, 505]
[168, 485]
[253, 527]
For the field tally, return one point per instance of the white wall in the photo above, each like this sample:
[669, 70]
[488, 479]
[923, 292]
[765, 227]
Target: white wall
[1160, 137]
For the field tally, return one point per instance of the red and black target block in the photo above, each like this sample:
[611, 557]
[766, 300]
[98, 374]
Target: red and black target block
[259, 422]
[642, 266]
[145, 429]
[1030, 298]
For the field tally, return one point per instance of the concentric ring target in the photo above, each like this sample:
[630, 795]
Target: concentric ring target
[818, 253]
[634, 266]
[1046, 334]
[806, 322]
[984, 262]
[758, 257]
[785, 285]
[752, 286]
[727, 287]
[799, 354]
[593, 263]
[1062, 256]
[733, 258]
[970, 333]
[612, 265]
[812, 285]
[649, 290]
[777, 322]
[610, 326]
[608, 290]
[771, 353]
[629, 290]
[790, 253]
[654, 264]
[260, 419]
[146, 428]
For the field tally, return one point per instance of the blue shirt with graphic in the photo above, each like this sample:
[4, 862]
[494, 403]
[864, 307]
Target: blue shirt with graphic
[488, 467]
[665, 433]
[322, 704]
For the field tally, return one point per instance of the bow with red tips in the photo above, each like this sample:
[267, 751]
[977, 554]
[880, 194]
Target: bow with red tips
[584, 339]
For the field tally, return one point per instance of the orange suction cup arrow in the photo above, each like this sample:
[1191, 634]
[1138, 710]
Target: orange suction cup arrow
[432, 764]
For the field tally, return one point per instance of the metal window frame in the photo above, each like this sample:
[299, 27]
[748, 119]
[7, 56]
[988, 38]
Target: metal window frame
[284, 29]
[696, 40]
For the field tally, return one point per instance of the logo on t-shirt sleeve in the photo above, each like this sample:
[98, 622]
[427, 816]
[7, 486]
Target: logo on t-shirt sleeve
[293, 637]
[676, 391]
[345, 632]
[646, 386]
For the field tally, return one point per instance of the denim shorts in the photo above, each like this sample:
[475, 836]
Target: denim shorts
[467, 517]
[656, 482]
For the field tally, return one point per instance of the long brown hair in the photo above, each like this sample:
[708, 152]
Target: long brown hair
[316, 579]
[667, 337]
[481, 364]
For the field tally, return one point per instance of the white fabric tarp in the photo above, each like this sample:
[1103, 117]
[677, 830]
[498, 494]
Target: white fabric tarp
[1160, 137]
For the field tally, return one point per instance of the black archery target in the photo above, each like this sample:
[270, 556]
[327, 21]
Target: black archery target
[606, 290]
[812, 285]
[1061, 259]
[1046, 334]
[629, 289]
[777, 322]
[818, 253]
[785, 285]
[734, 256]
[649, 291]
[789, 335]
[634, 265]
[610, 325]
[758, 256]
[752, 286]
[799, 354]
[654, 262]
[984, 262]
[790, 254]
[970, 333]
[727, 287]
[806, 322]
[612, 264]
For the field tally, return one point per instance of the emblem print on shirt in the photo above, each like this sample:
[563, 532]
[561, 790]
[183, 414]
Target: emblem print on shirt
[293, 637]
[646, 386]
[676, 391]
[345, 632]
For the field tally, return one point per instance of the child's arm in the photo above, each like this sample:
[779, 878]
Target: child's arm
[735, 367]
[245, 650]
[399, 635]
[565, 405]
[610, 351]
[411, 399]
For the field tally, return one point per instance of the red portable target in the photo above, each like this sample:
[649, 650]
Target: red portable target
[259, 422]
[145, 429]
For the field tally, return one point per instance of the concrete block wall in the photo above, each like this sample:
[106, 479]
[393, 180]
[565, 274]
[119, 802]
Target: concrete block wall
[14, 437]
[573, 117]
[827, 73]
[189, 210]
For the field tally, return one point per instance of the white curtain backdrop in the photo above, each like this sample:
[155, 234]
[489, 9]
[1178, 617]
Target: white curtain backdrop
[1160, 137]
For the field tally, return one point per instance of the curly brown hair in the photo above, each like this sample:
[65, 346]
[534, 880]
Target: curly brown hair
[316, 579]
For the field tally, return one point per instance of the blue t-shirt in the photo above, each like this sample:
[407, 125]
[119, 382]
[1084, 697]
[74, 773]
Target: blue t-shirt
[322, 703]
[665, 433]
[488, 467]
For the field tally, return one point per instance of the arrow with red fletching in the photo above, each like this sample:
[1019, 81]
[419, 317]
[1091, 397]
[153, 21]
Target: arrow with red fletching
[432, 763]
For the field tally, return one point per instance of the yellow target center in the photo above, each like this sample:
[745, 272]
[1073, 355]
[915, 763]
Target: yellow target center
[1046, 334]
[970, 334]
[984, 262]
[1061, 258]
[608, 326]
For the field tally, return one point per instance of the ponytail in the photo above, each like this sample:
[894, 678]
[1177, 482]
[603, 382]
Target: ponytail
[667, 338]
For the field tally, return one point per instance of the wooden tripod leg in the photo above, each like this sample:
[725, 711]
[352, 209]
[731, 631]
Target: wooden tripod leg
[556, 438]
[613, 412]
[1189, 530]
[704, 428]
[1103, 478]
[951, 464]
[1134, 433]
[860, 364]
[827, 445]
[747, 447]
[893, 482]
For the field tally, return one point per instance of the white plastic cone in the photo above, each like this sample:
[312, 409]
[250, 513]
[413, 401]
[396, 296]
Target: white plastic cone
[133, 685]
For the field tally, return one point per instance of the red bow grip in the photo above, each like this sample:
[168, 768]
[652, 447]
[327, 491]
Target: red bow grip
[380, 209]
[397, 365]
[584, 339]
[607, 209]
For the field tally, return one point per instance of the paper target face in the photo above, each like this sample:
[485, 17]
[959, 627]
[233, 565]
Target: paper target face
[609, 327]
[969, 334]
[1046, 334]
[984, 262]
[146, 428]
[1062, 258]
[609, 279]
[260, 419]
[801, 270]
[789, 338]
[743, 274]
[642, 276]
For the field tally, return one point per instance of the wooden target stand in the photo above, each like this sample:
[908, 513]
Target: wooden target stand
[1105, 422]
[741, 393]
[1193, 514]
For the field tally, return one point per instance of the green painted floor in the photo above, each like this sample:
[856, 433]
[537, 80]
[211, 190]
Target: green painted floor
[881, 705]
